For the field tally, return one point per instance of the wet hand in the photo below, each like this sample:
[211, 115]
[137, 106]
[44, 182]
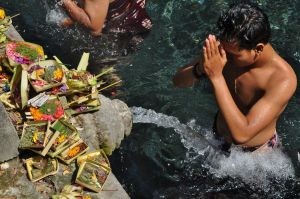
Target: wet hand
[214, 58]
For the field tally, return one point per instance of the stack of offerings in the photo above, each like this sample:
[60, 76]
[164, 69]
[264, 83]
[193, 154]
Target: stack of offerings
[5, 22]
[93, 171]
[46, 94]
[58, 140]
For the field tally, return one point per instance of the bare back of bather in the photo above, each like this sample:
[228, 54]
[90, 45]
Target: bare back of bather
[113, 15]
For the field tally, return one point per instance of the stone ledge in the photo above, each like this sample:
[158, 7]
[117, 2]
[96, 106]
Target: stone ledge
[9, 140]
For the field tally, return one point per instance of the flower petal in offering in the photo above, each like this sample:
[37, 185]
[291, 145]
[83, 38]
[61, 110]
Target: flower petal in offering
[73, 151]
[23, 53]
[2, 13]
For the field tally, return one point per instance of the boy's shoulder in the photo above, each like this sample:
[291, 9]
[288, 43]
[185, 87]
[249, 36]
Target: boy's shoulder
[282, 75]
[282, 69]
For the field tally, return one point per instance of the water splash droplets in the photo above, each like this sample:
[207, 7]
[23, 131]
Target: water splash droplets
[256, 170]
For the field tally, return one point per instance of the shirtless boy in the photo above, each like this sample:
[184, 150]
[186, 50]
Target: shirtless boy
[251, 82]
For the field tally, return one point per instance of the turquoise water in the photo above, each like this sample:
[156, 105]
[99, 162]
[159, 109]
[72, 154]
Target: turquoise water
[166, 155]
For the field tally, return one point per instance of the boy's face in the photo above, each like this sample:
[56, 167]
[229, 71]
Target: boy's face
[238, 57]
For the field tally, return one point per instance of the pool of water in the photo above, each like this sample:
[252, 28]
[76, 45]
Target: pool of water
[169, 152]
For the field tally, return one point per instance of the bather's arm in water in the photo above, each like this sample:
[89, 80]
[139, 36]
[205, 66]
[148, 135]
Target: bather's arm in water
[92, 15]
[189, 74]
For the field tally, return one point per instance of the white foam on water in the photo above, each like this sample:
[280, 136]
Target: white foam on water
[254, 169]
[56, 15]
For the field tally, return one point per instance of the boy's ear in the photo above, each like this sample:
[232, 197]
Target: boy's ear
[259, 48]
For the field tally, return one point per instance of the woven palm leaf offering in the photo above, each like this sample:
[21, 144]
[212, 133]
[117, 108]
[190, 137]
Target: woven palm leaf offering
[46, 74]
[23, 53]
[63, 136]
[80, 79]
[49, 110]
[71, 192]
[81, 102]
[40, 167]
[34, 135]
[2, 38]
[72, 152]
[97, 157]
[92, 176]
[43, 151]
[19, 87]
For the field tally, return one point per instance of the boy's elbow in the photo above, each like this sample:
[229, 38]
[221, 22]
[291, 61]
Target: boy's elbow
[241, 139]
[96, 29]
[96, 33]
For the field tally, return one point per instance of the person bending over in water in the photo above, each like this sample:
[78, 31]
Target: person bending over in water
[115, 15]
[251, 82]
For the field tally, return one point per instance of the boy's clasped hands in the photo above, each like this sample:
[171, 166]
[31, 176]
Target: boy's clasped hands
[214, 57]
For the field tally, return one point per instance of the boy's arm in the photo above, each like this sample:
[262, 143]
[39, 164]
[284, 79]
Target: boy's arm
[77, 13]
[92, 16]
[189, 74]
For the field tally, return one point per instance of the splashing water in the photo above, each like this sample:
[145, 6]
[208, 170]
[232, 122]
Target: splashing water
[189, 138]
[55, 15]
[257, 170]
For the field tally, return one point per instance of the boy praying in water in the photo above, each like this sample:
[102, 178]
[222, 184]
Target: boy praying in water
[251, 82]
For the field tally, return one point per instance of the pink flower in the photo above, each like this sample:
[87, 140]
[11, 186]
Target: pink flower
[39, 83]
[45, 117]
[59, 112]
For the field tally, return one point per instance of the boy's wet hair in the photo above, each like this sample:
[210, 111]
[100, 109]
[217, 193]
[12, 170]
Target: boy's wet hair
[246, 24]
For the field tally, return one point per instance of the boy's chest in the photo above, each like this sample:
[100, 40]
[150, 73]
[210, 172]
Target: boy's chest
[245, 89]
